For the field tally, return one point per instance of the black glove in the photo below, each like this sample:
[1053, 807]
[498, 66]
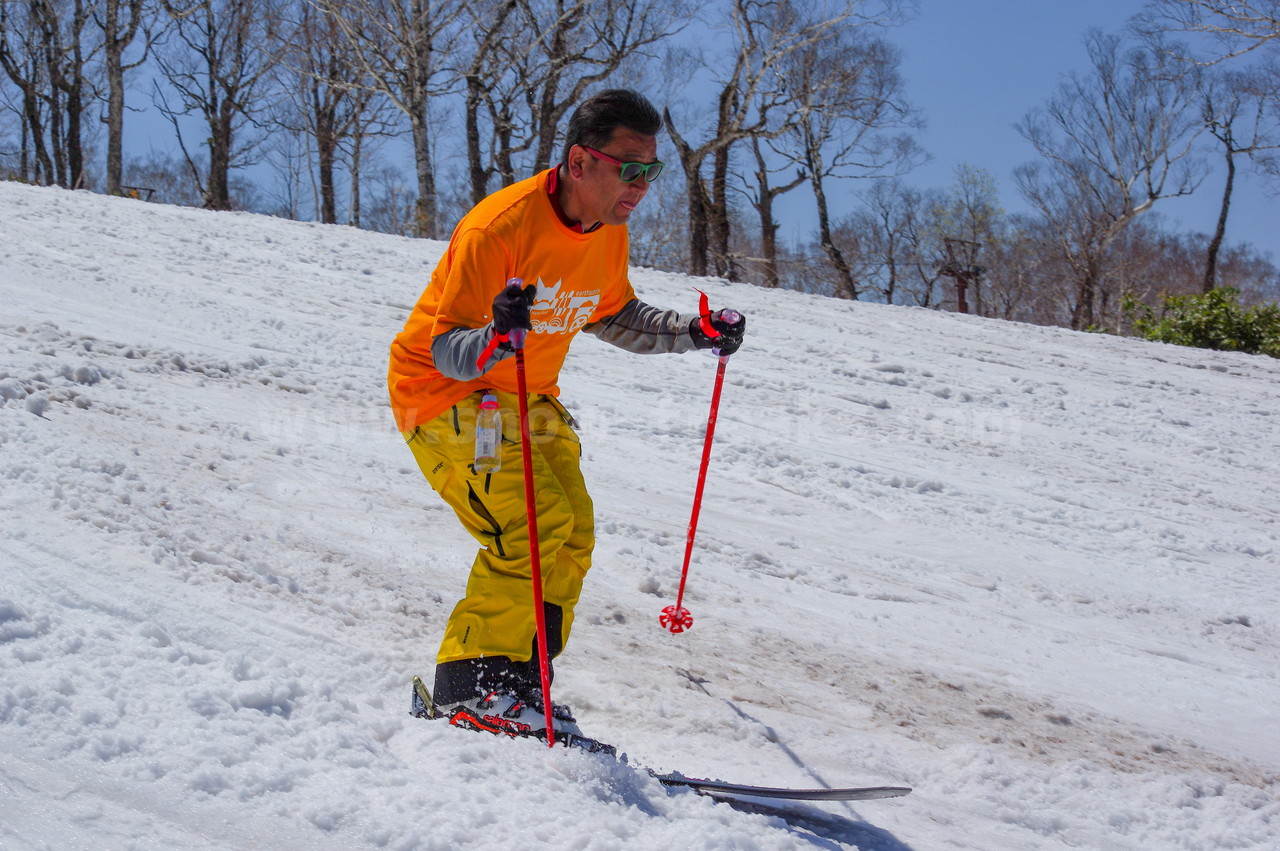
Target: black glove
[730, 332]
[511, 309]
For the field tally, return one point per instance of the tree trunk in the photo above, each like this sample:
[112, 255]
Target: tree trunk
[546, 124]
[24, 157]
[696, 193]
[117, 34]
[218, 188]
[719, 216]
[699, 243]
[41, 170]
[425, 208]
[559, 57]
[113, 48]
[418, 95]
[357, 146]
[1083, 315]
[506, 165]
[56, 125]
[326, 156]
[845, 287]
[75, 100]
[768, 232]
[476, 97]
[65, 65]
[75, 148]
[718, 209]
[1215, 244]
[475, 167]
[764, 209]
[44, 171]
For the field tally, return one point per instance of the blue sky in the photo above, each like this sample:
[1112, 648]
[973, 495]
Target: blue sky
[975, 67]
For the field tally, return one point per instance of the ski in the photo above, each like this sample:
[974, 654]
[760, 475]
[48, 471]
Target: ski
[422, 706]
[721, 789]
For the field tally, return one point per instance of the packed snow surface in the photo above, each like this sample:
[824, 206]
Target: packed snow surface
[1030, 573]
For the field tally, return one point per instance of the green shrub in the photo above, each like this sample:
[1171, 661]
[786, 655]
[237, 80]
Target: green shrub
[1214, 320]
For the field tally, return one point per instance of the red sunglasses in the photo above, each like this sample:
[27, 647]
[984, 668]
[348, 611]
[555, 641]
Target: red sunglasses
[628, 171]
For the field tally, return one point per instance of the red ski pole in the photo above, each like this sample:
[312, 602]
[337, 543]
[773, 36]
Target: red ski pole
[526, 451]
[677, 618]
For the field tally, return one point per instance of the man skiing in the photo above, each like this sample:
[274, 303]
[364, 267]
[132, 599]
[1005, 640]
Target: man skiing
[563, 233]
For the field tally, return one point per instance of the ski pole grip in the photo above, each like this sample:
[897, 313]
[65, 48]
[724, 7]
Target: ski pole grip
[732, 317]
[516, 335]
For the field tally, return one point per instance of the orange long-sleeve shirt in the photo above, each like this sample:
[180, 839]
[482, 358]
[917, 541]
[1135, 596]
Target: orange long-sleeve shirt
[514, 233]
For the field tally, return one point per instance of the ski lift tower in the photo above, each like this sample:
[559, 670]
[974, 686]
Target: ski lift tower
[961, 265]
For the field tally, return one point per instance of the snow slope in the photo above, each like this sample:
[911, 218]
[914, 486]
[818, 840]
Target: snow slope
[1029, 572]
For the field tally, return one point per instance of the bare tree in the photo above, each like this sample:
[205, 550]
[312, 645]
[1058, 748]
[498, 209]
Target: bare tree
[581, 43]
[659, 232]
[846, 84]
[852, 101]
[68, 72]
[488, 87]
[1239, 27]
[532, 61]
[1240, 107]
[898, 241]
[331, 101]
[392, 206]
[970, 217]
[371, 122]
[220, 62]
[1025, 274]
[121, 21]
[10, 118]
[764, 194]
[20, 58]
[44, 53]
[763, 34]
[403, 48]
[1236, 112]
[1112, 143]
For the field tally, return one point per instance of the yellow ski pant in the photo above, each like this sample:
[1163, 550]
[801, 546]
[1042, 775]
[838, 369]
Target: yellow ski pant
[496, 617]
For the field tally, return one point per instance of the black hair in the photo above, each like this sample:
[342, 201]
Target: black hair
[593, 122]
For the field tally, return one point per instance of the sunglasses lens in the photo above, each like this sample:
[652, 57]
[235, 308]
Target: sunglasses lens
[651, 171]
[630, 171]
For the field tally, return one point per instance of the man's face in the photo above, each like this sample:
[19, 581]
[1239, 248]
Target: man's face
[603, 195]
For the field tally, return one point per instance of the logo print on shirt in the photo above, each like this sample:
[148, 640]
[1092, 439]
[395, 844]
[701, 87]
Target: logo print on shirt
[556, 312]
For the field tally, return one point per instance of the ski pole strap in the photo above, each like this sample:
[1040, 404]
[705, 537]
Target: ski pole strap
[498, 339]
[704, 316]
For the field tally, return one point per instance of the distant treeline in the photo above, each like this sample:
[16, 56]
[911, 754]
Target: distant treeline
[397, 115]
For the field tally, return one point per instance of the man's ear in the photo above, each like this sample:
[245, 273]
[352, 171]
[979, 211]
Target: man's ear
[575, 160]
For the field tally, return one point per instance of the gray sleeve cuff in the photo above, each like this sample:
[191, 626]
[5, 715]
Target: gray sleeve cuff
[456, 351]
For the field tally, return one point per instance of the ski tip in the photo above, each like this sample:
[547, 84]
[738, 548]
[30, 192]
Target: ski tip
[886, 792]
[720, 789]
